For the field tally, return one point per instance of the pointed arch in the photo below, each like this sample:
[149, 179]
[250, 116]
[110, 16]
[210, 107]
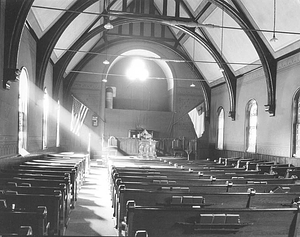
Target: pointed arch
[23, 110]
[220, 128]
[295, 148]
[251, 125]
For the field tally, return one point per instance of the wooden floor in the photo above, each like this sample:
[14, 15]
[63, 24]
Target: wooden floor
[93, 215]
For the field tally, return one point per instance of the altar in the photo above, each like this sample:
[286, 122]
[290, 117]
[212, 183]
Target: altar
[147, 148]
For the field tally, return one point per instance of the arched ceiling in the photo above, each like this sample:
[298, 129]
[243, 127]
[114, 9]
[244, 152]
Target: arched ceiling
[235, 35]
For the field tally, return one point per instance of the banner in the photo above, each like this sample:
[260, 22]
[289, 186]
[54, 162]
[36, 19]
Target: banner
[79, 112]
[197, 116]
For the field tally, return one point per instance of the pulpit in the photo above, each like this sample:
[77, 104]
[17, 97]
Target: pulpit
[147, 148]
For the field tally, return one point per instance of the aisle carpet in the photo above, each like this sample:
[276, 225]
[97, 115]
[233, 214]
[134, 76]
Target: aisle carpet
[93, 215]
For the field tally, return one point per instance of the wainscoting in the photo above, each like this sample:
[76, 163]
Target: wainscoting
[279, 159]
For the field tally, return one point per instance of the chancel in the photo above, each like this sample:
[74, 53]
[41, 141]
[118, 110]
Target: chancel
[150, 118]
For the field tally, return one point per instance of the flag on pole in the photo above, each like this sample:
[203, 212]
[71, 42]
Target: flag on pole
[79, 112]
[197, 116]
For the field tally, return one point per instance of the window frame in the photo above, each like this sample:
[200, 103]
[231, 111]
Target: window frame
[58, 115]
[249, 127]
[45, 119]
[23, 100]
[295, 124]
[218, 143]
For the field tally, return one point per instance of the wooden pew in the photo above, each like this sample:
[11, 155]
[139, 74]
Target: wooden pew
[207, 200]
[188, 221]
[22, 231]
[63, 186]
[229, 187]
[190, 186]
[72, 187]
[75, 164]
[79, 160]
[26, 188]
[157, 170]
[167, 164]
[194, 186]
[71, 156]
[12, 220]
[220, 200]
[50, 180]
[248, 164]
[150, 175]
[195, 170]
[38, 180]
[52, 167]
[29, 202]
[210, 180]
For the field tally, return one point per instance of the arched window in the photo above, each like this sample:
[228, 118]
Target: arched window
[23, 104]
[220, 129]
[58, 124]
[251, 126]
[296, 125]
[45, 118]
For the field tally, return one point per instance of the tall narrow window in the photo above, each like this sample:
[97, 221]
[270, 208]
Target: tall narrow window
[45, 118]
[296, 125]
[23, 102]
[251, 126]
[220, 129]
[58, 124]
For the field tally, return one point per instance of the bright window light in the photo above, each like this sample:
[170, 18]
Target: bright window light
[58, 125]
[137, 70]
[45, 118]
[23, 102]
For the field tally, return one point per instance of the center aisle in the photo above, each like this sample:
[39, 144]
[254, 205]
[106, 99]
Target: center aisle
[93, 215]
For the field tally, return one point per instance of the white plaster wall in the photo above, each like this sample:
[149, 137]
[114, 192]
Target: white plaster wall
[274, 133]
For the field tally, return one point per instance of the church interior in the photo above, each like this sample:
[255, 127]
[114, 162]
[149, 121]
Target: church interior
[150, 118]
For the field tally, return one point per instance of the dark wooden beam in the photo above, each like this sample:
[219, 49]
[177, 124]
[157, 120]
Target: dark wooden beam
[230, 78]
[61, 65]
[48, 41]
[16, 12]
[269, 64]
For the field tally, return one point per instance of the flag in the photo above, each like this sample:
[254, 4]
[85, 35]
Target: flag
[197, 116]
[79, 112]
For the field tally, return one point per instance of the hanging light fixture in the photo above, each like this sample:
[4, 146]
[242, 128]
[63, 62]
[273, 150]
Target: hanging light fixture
[274, 39]
[193, 58]
[106, 62]
[108, 25]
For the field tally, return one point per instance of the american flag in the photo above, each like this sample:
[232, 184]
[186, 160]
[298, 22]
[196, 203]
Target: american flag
[79, 112]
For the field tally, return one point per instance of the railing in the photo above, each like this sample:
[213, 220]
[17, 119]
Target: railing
[164, 146]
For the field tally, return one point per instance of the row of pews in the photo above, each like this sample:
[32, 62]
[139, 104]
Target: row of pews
[38, 194]
[229, 196]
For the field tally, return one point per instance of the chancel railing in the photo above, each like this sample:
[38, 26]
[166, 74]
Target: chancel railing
[157, 147]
